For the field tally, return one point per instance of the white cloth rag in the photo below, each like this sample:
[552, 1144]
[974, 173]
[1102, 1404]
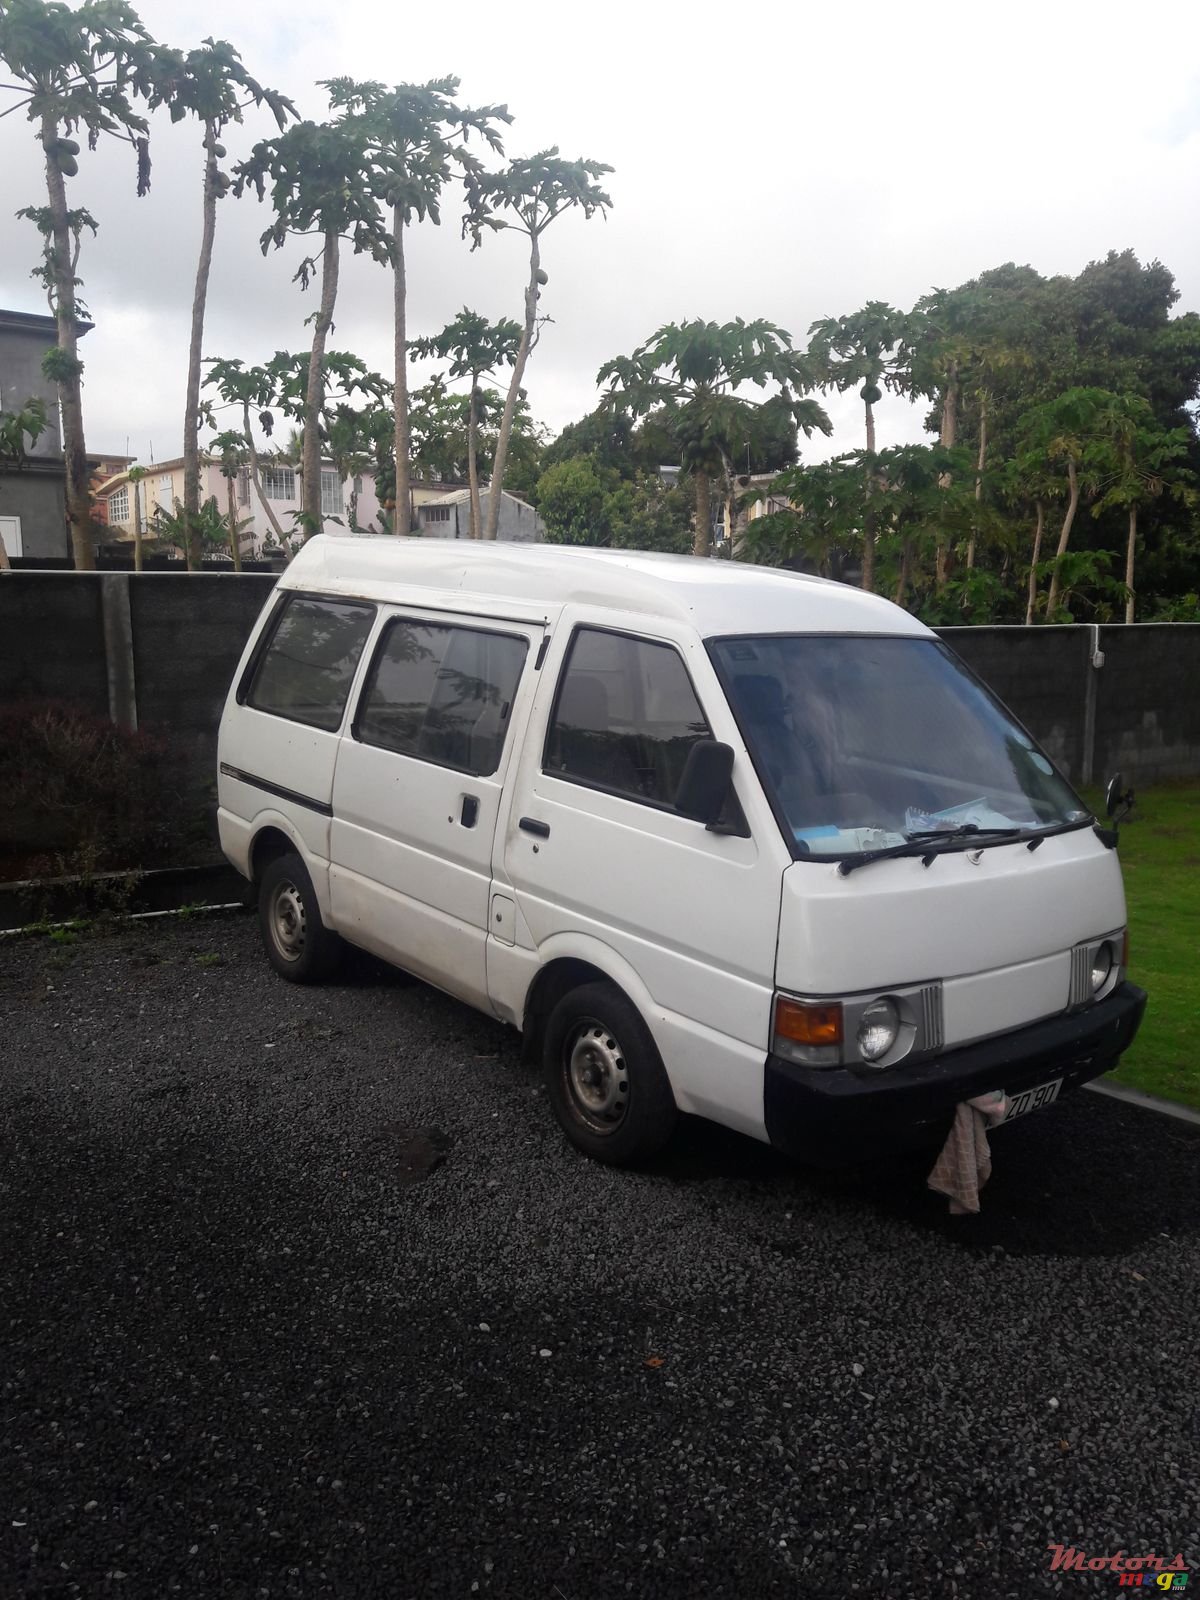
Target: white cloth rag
[965, 1163]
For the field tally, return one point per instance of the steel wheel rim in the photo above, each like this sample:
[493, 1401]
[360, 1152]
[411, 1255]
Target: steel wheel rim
[596, 1074]
[288, 920]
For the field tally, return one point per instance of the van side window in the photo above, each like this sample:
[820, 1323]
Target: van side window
[625, 718]
[442, 694]
[306, 670]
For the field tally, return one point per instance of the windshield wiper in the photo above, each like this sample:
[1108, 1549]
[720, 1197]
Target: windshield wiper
[963, 830]
[922, 844]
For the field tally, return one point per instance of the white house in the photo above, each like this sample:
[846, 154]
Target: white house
[448, 516]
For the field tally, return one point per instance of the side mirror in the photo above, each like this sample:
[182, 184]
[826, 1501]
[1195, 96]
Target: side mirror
[1118, 801]
[704, 784]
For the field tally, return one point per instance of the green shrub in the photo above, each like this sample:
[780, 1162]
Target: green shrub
[80, 796]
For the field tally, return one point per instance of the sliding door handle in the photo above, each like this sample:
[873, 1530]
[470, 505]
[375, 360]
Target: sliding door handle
[532, 825]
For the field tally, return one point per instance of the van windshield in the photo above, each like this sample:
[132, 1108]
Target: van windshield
[867, 744]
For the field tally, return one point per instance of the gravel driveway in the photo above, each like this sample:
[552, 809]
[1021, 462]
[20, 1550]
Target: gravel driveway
[303, 1294]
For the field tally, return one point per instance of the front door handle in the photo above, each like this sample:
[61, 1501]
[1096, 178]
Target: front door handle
[532, 825]
[469, 815]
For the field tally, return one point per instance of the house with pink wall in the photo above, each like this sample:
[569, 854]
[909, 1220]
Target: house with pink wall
[119, 500]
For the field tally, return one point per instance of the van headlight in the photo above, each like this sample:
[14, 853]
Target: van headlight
[862, 1030]
[878, 1029]
[1102, 965]
[1097, 968]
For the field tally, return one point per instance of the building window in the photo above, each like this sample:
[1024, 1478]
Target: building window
[166, 487]
[243, 487]
[331, 493]
[437, 513]
[279, 483]
[118, 505]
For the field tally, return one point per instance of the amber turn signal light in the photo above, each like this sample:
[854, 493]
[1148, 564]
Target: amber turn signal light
[808, 1021]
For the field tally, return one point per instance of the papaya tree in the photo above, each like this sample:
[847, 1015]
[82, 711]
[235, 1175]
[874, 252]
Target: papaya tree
[75, 69]
[420, 136]
[230, 448]
[27, 422]
[210, 84]
[1065, 436]
[864, 348]
[475, 348]
[527, 196]
[693, 371]
[1146, 462]
[248, 389]
[323, 182]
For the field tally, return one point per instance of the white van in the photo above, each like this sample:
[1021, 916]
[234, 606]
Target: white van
[717, 839]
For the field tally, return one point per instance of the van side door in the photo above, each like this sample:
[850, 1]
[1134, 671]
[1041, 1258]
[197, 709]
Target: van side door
[603, 868]
[420, 774]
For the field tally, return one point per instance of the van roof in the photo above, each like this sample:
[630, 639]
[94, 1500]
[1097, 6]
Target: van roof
[535, 580]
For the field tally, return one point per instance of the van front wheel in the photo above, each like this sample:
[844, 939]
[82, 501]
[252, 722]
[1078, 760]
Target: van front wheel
[606, 1082]
[298, 944]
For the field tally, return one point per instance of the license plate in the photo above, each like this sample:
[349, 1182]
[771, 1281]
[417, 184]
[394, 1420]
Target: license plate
[1033, 1099]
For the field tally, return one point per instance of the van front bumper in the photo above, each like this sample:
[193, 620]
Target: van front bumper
[835, 1116]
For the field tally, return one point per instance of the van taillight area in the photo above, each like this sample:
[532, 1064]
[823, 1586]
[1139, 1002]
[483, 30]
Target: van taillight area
[836, 1116]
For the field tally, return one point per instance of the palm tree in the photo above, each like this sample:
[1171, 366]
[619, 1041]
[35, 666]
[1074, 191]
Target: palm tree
[527, 196]
[694, 370]
[475, 348]
[323, 179]
[418, 145]
[75, 68]
[864, 348]
[212, 85]
[134, 477]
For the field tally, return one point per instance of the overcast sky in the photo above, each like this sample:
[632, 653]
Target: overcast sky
[787, 161]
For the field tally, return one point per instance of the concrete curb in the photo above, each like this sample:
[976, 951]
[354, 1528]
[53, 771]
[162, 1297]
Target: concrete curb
[1144, 1102]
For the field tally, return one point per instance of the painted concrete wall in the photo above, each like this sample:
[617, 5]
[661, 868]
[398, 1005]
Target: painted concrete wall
[36, 494]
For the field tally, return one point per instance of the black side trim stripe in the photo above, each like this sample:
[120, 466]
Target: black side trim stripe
[318, 806]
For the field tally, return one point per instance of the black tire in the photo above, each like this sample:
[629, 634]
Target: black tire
[605, 1078]
[298, 944]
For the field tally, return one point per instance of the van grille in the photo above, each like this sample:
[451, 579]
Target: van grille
[1081, 974]
[932, 1026]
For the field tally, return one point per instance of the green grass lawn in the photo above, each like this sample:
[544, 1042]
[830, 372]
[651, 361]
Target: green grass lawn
[1160, 858]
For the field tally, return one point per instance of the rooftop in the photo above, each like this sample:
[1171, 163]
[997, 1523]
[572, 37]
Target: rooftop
[461, 496]
[38, 322]
[534, 582]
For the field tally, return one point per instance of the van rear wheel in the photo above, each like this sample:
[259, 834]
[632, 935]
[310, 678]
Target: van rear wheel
[604, 1076]
[298, 944]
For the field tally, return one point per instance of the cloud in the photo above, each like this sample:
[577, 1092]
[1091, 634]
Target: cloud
[775, 161]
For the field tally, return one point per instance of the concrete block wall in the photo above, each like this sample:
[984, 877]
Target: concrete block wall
[158, 650]
[1041, 674]
[1101, 698]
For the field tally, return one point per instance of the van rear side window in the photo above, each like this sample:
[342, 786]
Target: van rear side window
[306, 670]
[626, 717]
[442, 694]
